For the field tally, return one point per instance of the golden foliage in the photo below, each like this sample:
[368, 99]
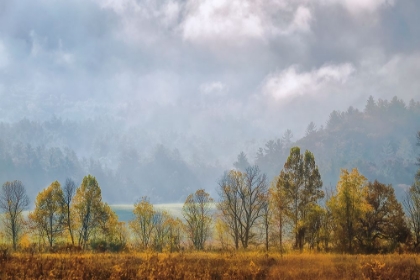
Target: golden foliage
[348, 206]
[48, 217]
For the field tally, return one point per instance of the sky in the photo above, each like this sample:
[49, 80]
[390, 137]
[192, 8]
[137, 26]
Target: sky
[225, 72]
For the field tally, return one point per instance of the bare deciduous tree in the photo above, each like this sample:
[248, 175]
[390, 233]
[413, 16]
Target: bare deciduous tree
[266, 217]
[68, 191]
[243, 200]
[229, 206]
[13, 201]
[142, 224]
[412, 207]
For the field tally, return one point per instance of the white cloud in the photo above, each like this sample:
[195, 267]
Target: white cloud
[171, 12]
[290, 82]
[300, 23]
[396, 75]
[221, 19]
[360, 6]
[213, 88]
[132, 56]
[302, 19]
[236, 21]
[144, 22]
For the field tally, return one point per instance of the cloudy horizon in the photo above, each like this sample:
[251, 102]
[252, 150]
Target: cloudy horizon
[210, 69]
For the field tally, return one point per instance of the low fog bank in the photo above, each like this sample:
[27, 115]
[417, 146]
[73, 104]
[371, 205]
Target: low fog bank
[379, 139]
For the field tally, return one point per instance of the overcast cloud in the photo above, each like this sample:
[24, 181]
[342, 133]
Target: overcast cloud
[215, 72]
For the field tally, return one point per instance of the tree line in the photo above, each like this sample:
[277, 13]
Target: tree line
[76, 214]
[293, 212]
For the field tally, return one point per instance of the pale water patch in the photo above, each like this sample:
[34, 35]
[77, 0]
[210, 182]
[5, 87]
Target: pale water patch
[125, 211]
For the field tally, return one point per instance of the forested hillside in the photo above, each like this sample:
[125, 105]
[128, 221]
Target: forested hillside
[379, 140]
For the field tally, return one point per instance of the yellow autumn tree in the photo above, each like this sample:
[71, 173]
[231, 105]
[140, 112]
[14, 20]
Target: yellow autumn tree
[88, 209]
[348, 207]
[155, 229]
[278, 206]
[142, 224]
[161, 229]
[109, 234]
[174, 234]
[48, 217]
[107, 223]
[222, 231]
[197, 212]
[121, 237]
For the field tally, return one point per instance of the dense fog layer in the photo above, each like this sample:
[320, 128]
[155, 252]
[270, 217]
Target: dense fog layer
[380, 140]
[158, 98]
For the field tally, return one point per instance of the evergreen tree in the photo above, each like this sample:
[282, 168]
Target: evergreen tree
[242, 162]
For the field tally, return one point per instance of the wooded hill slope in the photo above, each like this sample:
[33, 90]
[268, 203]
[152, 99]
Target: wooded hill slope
[380, 141]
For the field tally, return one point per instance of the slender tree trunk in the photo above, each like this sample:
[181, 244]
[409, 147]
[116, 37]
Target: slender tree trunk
[14, 235]
[245, 243]
[51, 232]
[266, 237]
[296, 225]
[236, 239]
[69, 225]
[281, 236]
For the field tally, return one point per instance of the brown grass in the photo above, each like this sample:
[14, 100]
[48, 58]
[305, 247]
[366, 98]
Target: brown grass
[208, 266]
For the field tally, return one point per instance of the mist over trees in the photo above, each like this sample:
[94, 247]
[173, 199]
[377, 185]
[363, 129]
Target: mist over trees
[41, 152]
[378, 140]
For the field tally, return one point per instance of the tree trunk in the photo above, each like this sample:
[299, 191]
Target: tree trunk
[69, 225]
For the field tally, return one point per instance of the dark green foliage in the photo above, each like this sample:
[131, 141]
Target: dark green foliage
[383, 226]
[98, 245]
[105, 246]
[301, 183]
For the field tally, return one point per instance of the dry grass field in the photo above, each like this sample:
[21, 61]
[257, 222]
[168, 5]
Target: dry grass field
[208, 266]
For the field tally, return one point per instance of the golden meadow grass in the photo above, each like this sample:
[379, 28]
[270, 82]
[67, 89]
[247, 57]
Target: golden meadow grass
[245, 265]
